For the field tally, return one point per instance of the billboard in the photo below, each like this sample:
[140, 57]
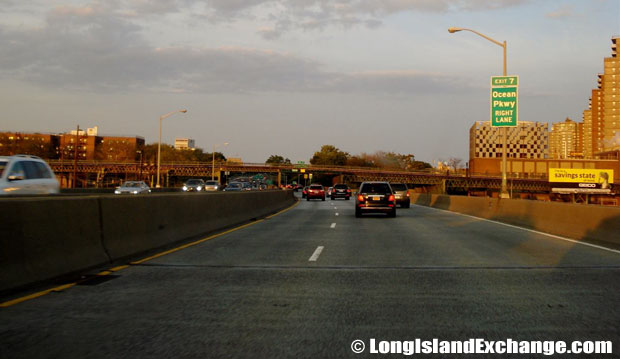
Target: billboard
[575, 175]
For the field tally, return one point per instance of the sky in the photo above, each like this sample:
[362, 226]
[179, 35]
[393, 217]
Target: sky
[285, 77]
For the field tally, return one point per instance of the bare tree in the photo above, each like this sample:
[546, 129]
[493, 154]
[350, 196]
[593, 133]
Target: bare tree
[455, 163]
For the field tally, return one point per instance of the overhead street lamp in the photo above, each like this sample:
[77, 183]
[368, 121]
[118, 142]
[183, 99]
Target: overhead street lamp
[213, 159]
[161, 118]
[504, 190]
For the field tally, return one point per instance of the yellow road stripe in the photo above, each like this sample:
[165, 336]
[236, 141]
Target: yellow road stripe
[36, 295]
[193, 243]
[284, 210]
[116, 269]
[121, 267]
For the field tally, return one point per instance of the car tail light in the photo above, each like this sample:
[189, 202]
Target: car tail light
[348, 191]
[360, 198]
[407, 194]
[391, 198]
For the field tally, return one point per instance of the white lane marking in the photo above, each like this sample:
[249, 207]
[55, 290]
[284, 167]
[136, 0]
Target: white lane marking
[333, 225]
[337, 214]
[335, 207]
[527, 229]
[316, 254]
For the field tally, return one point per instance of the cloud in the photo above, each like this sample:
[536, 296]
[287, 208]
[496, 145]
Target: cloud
[91, 48]
[563, 12]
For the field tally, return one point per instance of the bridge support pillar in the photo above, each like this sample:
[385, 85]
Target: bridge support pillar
[279, 179]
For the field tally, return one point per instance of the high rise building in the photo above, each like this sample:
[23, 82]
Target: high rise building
[596, 106]
[579, 142]
[601, 129]
[184, 144]
[527, 140]
[564, 140]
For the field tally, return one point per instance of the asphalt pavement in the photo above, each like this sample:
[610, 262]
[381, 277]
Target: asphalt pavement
[309, 281]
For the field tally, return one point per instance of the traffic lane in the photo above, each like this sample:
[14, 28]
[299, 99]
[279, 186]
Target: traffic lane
[308, 312]
[425, 237]
[286, 239]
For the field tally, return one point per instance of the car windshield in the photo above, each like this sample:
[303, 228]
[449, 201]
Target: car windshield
[211, 183]
[316, 187]
[399, 186]
[375, 188]
[234, 185]
[341, 186]
[193, 181]
[2, 166]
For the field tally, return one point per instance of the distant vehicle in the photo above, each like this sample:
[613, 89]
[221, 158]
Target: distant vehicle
[212, 186]
[297, 187]
[315, 191]
[341, 191]
[133, 187]
[329, 191]
[234, 186]
[24, 174]
[247, 186]
[401, 193]
[193, 185]
[304, 192]
[375, 197]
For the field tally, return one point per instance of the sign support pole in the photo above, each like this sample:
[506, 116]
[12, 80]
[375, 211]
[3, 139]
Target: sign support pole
[504, 191]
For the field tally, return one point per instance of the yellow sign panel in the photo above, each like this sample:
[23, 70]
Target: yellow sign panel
[575, 175]
[302, 170]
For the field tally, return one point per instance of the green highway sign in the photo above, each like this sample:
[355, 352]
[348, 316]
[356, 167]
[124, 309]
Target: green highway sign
[504, 101]
[504, 81]
[300, 164]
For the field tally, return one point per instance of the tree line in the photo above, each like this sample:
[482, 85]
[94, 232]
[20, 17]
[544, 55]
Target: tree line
[330, 155]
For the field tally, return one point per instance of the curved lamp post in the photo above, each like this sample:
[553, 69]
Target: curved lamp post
[161, 118]
[504, 190]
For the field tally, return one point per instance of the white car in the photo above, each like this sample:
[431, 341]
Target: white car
[24, 174]
[212, 186]
[133, 187]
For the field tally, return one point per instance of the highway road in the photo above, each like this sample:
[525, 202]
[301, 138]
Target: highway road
[309, 281]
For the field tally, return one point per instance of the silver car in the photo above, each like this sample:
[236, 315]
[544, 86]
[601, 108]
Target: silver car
[212, 186]
[401, 192]
[193, 185]
[24, 174]
[133, 187]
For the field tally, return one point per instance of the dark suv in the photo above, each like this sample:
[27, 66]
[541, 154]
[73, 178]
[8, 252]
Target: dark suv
[341, 191]
[401, 192]
[375, 197]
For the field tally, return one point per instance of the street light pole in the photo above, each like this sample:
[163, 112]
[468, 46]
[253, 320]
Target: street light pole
[161, 118]
[213, 160]
[504, 191]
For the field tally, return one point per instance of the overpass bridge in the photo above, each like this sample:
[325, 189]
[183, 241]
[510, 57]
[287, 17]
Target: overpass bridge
[98, 171]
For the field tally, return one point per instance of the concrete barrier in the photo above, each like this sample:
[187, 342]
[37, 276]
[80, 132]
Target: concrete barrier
[136, 224]
[43, 238]
[596, 224]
